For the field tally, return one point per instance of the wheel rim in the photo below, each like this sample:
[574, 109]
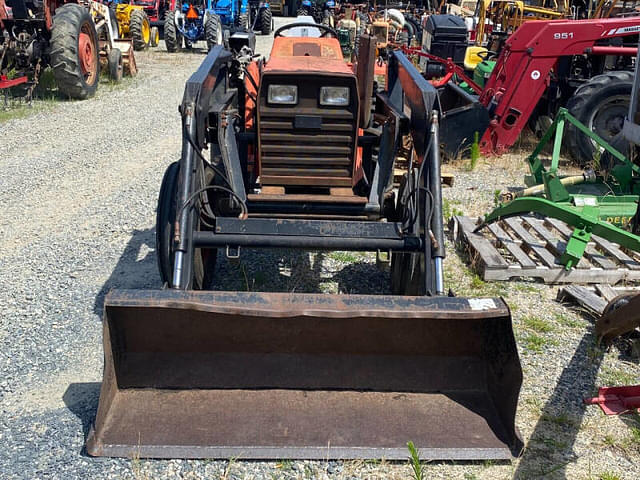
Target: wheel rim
[608, 117]
[156, 37]
[87, 54]
[146, 32]
[219, 34]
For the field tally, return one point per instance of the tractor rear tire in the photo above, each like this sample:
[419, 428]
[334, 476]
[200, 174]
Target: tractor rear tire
[140, 29]
[244, 21]
[116, 65]
[74, 52]
[601, 104]
[303, 12]
[172, 37]
[155, 36]
[213, 31]
[204, 259]
[265, 21]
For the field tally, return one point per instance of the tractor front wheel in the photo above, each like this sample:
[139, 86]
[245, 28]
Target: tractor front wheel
[74, 51]
[115, 64]
[601, 104]
[265, 21]
[213, 31]
[172, 37]
[408, 269]
[204, 260]
[140, 29]
[155, 36]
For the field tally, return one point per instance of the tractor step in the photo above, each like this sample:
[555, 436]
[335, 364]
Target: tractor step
[530, 247]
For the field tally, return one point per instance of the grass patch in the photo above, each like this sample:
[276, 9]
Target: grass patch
[450, 208]
[611, 376]
[567, 321]
[562, 419]
[344, 257]
[284, 465]
[533, 342]
[609, 476]
[610, 441]
[552, 443]
[537, 324]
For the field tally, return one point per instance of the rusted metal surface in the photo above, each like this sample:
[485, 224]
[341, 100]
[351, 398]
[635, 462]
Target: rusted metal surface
[622, 315]
[276, 375]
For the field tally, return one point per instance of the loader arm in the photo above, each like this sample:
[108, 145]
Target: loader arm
[522, 72]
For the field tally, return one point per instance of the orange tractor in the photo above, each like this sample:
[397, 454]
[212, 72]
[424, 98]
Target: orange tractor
[299, 152]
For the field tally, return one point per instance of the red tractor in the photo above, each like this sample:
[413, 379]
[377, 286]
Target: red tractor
[36, 34]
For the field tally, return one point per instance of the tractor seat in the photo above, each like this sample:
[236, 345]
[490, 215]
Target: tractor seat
[471, 57]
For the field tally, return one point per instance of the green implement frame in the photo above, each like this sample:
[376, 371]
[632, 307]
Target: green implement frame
[549, 194]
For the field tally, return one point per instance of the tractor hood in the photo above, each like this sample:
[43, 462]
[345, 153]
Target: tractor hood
[305, 54]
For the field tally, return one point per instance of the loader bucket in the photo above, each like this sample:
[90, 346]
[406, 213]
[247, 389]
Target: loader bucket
[278, 375]
[462, 117]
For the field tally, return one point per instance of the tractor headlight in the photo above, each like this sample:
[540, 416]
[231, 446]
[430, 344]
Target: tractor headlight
[334, 96]
[283, 94]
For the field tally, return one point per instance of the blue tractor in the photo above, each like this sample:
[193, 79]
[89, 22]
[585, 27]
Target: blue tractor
[211, 20]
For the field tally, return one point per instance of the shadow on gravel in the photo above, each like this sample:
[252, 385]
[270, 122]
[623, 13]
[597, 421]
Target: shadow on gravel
[550, 447]
[136, 267]
[363, 278]
[82, 400]
[269, 271]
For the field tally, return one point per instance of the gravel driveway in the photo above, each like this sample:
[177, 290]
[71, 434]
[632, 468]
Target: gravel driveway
[78, 185]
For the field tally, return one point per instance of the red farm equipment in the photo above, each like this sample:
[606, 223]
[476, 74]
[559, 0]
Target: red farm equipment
[583, 65]
[69, 37]
[299, 152]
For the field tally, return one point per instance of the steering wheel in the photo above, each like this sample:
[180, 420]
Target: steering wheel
[326, 29]
[488, 55]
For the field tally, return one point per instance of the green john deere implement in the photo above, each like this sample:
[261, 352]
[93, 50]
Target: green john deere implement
[603, 203]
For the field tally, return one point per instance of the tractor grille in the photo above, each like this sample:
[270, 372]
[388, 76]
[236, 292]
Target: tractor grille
[307, 145]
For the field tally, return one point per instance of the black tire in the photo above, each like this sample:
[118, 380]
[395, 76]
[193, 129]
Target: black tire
[601, 104]
[302, 12]
[155, 37]
[172, 38]
[204, 260]
[70, 21]
[115, 64]
[266, 20]
[213, 32]
[140, 29]
[244, 21]
[408, 269]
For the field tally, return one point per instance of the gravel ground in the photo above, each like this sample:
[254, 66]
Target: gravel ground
[79, 182]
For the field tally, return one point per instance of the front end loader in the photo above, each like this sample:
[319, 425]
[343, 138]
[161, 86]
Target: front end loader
[299, 152]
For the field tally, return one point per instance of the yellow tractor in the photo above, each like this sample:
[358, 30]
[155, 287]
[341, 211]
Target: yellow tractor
[133, 23]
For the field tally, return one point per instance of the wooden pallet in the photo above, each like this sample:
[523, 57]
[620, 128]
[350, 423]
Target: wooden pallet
[530, 247]
[593, 299]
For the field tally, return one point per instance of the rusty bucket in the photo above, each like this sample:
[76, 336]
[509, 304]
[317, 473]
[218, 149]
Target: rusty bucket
[278, 375]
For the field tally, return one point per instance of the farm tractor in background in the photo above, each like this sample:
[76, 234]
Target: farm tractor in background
[260, 17]
[74, 40]
[213, 21]
[545, 65]
[133, 22]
